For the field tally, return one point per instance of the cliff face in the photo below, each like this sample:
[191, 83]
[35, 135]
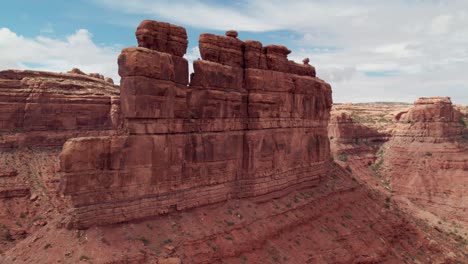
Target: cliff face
[337, 221]
[238, 129]
[422, 161]
[39, 111]
[344, 130]
[45, 109]
[427, 159]
[432, 119]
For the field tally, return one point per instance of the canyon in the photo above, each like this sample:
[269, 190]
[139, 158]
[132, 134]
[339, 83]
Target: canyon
[417, 154]
[242, 161]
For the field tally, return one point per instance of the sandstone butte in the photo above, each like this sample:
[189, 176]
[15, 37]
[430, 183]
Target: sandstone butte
[430, 149]
[229, 165]
[418, 153]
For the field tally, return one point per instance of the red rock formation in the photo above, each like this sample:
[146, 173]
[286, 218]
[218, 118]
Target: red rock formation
[45, 109]
[162, 37]
[342, 129]
[337, 221]
[427, 159]
[354, 145]
[39, 111]
[431, 119]
[237, 130]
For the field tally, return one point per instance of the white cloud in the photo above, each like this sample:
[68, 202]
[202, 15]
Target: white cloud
[441, 24]
[424, 44]
[60, 55]
[421, 47]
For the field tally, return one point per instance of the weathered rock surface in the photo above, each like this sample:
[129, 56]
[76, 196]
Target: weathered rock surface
[337, 221]
[427, 158]
[236, 130]
[162, 37]
[343, 129]
[419, 162]
[356, 137]
[39, 111]
[45, 109]
[431, 119]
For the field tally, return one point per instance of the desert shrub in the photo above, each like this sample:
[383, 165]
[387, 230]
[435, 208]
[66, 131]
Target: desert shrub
[343, 157]
[462, 122]
[144, 240]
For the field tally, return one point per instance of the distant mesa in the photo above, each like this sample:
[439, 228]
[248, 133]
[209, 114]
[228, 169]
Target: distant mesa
[93, 75]
[43, 108]
[431, 118]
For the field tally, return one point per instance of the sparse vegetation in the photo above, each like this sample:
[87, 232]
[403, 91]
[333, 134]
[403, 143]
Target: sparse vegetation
[47, 246]
[7, 236]
[145, 241]
[84, 258]
[229, 223]
[296, 199]
[213, 247]
[428, 154]
[462, 122]
[348, 216]
[343, 157]
[167, 241]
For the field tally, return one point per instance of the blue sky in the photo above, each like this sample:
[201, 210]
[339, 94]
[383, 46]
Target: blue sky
[369, 50]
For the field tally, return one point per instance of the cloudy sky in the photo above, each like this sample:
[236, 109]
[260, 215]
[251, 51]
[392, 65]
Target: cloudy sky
[369, 50]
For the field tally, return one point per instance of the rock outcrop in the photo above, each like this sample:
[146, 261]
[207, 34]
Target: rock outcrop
[249, 123]
[431, 119]
[427, 158]
[343, 129]
[45, 109]
[39, 111]
[337, 221]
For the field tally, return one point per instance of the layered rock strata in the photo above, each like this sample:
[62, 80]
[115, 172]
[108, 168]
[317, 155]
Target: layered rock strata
[45, 109]
[427, 159]
[250, 122]
[432, 119]
[343, 129]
